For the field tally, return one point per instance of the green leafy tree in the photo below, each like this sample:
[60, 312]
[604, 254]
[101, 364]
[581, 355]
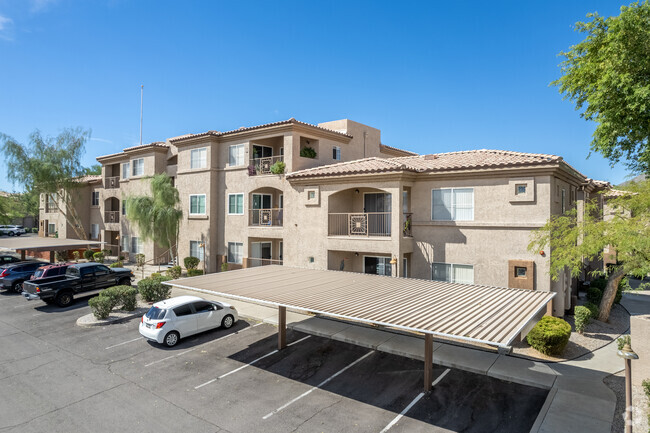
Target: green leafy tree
[93, 170]
[608, 74]
[52, 166]
[574, 238]
[158, 215]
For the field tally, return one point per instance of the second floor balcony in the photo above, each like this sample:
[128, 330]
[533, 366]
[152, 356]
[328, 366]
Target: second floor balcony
[265, 217]
[266, 165]
[111, 217]
[363, 224]
[112, 182]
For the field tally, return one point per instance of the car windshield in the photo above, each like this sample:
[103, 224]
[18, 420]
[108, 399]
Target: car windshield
[74, 272]
[156, 313]
[39, 273]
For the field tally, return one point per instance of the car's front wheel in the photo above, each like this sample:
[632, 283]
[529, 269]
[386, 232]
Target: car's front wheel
[171, 339]
[125, 282]
[11, 233]
[17, 286]
[227, 321]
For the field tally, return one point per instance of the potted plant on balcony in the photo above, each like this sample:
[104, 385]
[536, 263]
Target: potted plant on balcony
[308, 152]
[278, 167]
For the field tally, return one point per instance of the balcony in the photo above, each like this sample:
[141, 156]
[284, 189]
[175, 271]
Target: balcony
[265, 217]
[359, 224]
[112, 182]
[111, 217]
[255, 262]
[261, 166]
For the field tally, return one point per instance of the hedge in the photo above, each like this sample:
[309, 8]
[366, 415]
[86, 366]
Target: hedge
[191, 262]
[594, 295]
[152, 289]
[116, 265]
[98, 257]
[174, 272]
[194, 272]
[582, 316]
[593, 309]
[550, 335]
[103, 304]
[88, 255]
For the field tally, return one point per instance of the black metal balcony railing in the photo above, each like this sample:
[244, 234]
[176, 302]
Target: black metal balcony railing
[408, 219]
[255, 262]
[111, 217]
[263, 165]
[265, 217]
[359, 224]
[112, 182]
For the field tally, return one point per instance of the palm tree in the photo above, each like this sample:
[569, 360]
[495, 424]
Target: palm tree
[157, 216]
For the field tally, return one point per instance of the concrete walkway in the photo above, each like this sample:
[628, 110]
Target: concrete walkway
[578, 400]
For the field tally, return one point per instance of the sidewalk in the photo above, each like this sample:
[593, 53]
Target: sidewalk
[578, 400]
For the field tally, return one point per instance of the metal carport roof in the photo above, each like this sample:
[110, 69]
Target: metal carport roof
[469, 312]
[39, 243]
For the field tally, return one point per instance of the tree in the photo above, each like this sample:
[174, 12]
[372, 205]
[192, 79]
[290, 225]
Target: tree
[157, 216]
[93, 170]
[574, 238]
[52, 166]
[608, 74]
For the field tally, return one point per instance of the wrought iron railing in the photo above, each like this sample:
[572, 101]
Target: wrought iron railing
[359, 224]
[111, 216]
[408, 220]
[265, 217]
[112, 182]
[263, 165]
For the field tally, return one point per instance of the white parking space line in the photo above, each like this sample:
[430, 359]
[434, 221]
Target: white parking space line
[126, 342]
[323, 383]
[204, 344]
[247, 365]
[415, 400]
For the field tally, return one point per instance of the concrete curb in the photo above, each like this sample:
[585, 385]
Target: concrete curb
[89, 320]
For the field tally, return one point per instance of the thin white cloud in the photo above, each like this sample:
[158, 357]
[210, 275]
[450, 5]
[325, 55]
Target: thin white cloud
[40, 5]
[5, 22]
[6, 25]
[101, 140]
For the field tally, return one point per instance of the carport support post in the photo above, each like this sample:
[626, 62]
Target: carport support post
[428, 362]
[282, 327]
[22, 254]
[51, 256]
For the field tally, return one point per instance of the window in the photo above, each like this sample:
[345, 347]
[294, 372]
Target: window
[94, 198]
[563, 200]
[452, 204]
[521, 189]
[136, 245]
[196, 250]
[235, 204]
[236, 155]
[452, 273]
[377, 265]
[125, 243]
[94, 231]
[123, 207]
[138, 167]
[126, 168]
[336, 153]
[235, 252]
[197, 204]
[101, 270]
[199, 158]
[183, 310]
[51, 203]
[311, 195]
[51, 228]
[204, 306]
[520, 272]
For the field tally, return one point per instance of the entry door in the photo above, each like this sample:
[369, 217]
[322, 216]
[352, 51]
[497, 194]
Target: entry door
[378, 207]
[262, 252]
[260, 201]
[377, 265]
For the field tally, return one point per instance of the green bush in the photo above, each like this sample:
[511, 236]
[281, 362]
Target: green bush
[191, 262]
[550, 335]
[593, 309]
[194, 272]
[139, 260]
[278, 167]
[116, 265]
[101, 306]
[61, 256]
[152, 289]
[121, 258]
[308, 152]
[174, 272]
[156, 275]
[88, 255]
[124, 296]
[582, 316]
[34, 229]
[224, 267]
[594, 295]
[106, 252]
[599, 283]
[623, 340]
[98, 257]
[75, 254]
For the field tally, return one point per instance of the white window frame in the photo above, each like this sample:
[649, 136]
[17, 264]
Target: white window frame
[240, 149]
[94, 198]
[137, 247]
[336, 153]
[199, 158]
[199, 250]
[126, 246]
[94, 231]
[453, 204]
[242, 203]
[134, 166]
[241, 253]
[126, 170]
[451, 272]
[205, 206]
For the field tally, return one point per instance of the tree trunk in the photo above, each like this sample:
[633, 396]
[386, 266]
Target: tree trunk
[610, 293]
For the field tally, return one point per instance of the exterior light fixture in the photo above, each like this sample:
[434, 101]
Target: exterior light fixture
[356, 190]
[628, 355]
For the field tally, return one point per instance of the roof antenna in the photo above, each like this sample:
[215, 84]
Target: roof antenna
[141, 93]
[365, 134]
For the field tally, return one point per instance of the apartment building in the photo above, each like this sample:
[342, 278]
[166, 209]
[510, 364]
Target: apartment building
[347, 202]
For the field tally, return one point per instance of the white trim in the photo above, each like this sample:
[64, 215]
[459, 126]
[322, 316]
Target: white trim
[243, 151]
[453, 202]
[228, 252]
[205, 203]
[133, 167]
[199, 158]
[243, 203]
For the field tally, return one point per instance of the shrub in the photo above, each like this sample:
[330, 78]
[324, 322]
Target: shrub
[61, 256]
[308, 152]
[116, 265]
[139, 260]
[121, 258]
[599, 283]
[152, 289]
[174, 272]
[224, 267]
[194, 272]
[34, 229]
[75, 254]
[594, 295]
[156, 275]
[278, 167]
[124, 296]
[582, 316]
[98, 257]
[191, 262]
[101, 306]
[550, 335]
[88, 255]
[106, 252]
[623, 340]
[593, 309]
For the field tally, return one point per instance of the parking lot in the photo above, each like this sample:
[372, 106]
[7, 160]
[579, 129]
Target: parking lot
[56, 376]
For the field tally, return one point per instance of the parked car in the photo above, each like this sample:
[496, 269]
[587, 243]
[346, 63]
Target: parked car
[6, 259]
[78, 278]
[13, 275]
[45, 273]
[12, 230]
[168, 321]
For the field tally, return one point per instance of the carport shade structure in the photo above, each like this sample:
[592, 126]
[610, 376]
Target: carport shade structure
[23, 244]
[472, 313]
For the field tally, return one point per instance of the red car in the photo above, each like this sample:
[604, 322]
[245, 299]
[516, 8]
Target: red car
[50, 271]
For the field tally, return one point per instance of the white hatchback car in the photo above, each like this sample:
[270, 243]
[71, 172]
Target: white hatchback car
[168, 321]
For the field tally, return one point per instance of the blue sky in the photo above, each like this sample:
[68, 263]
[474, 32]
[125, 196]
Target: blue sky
[433, 76]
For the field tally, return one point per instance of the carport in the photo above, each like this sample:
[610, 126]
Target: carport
[30, 243]
[470, 313]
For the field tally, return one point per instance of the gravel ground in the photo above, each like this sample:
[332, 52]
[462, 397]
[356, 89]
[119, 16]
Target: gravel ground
[597, 335]
[616, 382]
